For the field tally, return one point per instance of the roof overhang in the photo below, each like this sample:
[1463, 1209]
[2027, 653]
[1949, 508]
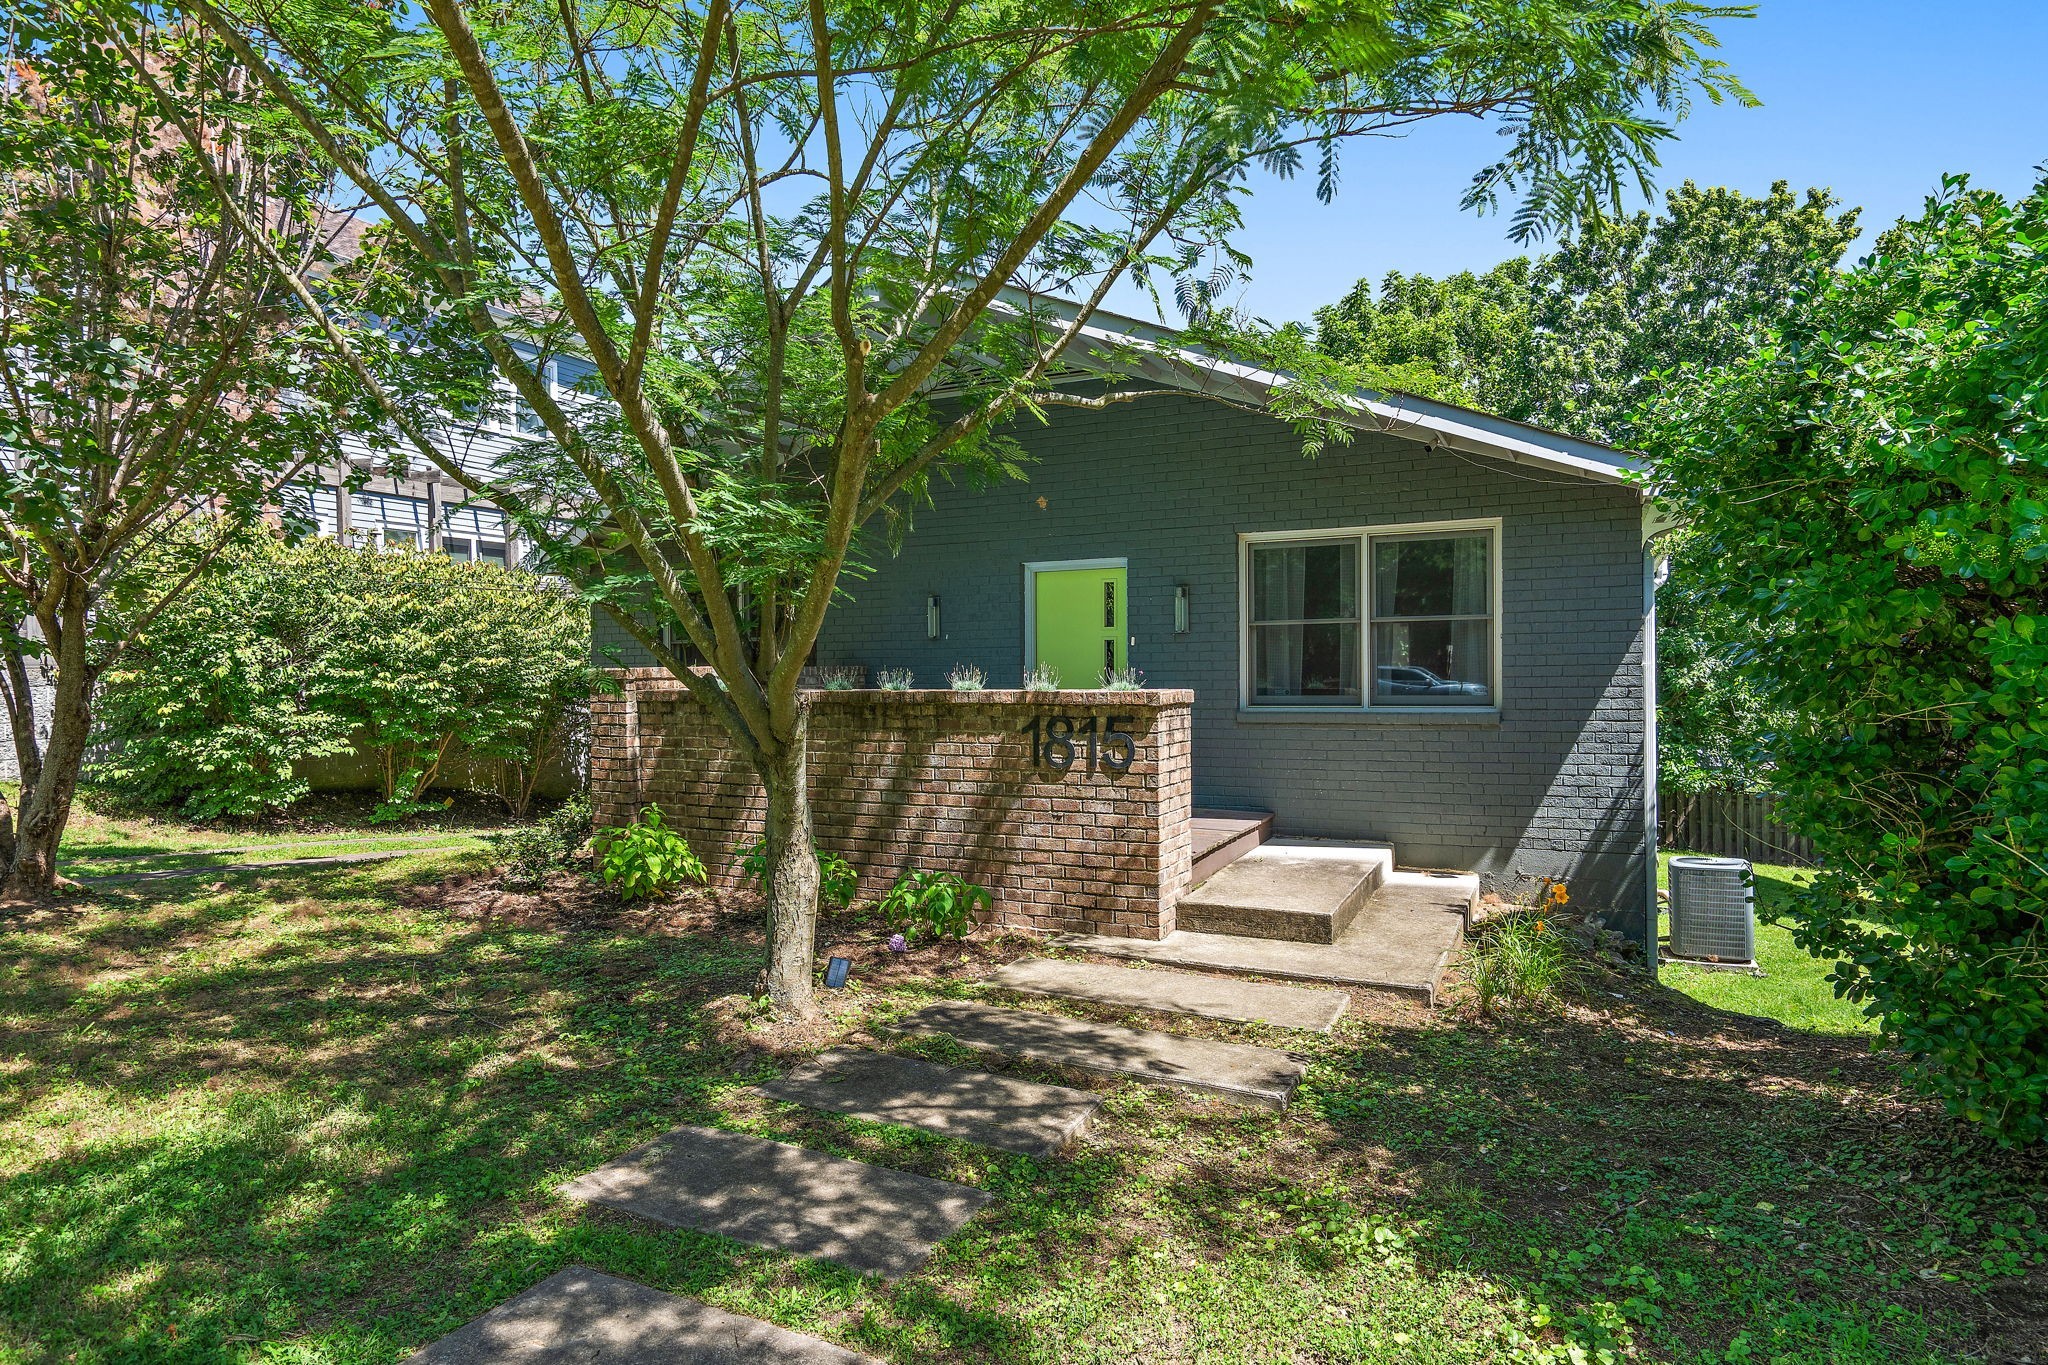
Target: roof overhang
[1120, 349]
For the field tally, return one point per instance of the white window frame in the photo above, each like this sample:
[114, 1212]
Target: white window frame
[1368, 674]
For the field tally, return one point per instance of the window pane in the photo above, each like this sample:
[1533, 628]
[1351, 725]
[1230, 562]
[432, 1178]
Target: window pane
[1308, 664]
[492, 551]
[455, 547]
[1430, 576]
[1305, 582]
[1432, 663]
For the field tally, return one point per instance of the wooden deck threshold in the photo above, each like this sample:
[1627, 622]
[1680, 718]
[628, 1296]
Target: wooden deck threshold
[1221, 837]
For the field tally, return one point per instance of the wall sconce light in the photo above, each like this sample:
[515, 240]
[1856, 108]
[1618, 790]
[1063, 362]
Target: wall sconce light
[1181, 595]
[931, 617]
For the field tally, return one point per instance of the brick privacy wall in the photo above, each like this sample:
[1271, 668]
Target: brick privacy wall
[1550, 786]
[930, 780]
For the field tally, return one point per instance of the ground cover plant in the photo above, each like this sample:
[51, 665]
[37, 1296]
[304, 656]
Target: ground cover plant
[319, 1116]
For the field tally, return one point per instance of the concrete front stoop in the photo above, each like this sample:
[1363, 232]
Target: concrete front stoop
[1399, 938]
[1302, 890]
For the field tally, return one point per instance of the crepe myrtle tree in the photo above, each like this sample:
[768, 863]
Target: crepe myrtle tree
[811, 252]
[157, 379]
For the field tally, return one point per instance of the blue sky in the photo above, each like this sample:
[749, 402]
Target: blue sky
[1873, 98]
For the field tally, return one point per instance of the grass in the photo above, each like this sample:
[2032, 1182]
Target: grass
[319, 1115]
[1794, 988]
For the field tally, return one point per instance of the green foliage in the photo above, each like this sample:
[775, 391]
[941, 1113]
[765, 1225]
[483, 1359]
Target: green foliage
[151, 366]
[531, 852]
[280, 654]
[1896, 569]
[1518, 959]
[1580, 340]
[966, 678]
[933, 903]
[838, 882]
[895, 680]
[646, 858]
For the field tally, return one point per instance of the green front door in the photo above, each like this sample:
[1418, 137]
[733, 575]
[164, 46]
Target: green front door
[1079, 619]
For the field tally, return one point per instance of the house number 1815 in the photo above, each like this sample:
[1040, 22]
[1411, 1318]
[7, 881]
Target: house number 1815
[1056, 742]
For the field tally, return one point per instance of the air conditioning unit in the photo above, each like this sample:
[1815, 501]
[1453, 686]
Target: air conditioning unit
[1713, 911]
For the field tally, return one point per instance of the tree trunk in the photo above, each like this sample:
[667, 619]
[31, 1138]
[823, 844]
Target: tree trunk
[46, 806]
[792, 873]
[19, 691]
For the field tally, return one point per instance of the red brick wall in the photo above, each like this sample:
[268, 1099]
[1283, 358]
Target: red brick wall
[937, 780]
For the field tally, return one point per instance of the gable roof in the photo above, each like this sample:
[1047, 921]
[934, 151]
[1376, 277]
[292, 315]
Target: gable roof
[1115, 346]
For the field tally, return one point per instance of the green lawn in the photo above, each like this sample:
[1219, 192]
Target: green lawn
[319, 1116]
[1793, 989]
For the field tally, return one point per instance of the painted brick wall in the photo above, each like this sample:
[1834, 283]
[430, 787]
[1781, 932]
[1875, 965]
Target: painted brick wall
[1552, 786]
[935, 780]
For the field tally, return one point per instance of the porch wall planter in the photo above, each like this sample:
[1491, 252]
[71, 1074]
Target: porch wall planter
[1072, 807]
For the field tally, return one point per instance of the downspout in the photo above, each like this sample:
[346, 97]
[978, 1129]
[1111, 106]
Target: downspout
[1656, 568]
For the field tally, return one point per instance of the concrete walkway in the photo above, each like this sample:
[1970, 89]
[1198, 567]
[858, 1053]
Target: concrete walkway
[579, 1315]
[1234, 1071]
[1400, 940]
[770, 1194]
[1212, 997]
[1002, 1112]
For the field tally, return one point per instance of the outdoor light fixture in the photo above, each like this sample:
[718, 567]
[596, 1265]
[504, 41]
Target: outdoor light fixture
[1180, 608]
[931, 617]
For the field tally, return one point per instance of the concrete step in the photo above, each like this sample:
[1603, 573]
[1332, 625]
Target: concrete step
[1213, 997]
[590, 1318]
[770, 1194]
[1258, 1076]
[1399, 941]
[974, 1106]
[1299, 890]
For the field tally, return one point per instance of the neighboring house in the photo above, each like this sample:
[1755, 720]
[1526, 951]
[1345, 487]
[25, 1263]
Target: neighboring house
[424, 509]
[1439, 635]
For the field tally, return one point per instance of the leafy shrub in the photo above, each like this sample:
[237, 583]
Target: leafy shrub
[1899, 570]
[646, 858]
[934, 903]
[531, 852]
[279, 654]
[1042, 678]
[895, 680]
[1517, 960]
[966, 678]
[842, 679]
[837, 881]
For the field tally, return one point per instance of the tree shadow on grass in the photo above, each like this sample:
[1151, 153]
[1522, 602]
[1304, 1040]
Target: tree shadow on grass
[258, 1124]
[1656, 1170]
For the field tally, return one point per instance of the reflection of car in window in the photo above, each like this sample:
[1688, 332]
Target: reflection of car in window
[1408, 680]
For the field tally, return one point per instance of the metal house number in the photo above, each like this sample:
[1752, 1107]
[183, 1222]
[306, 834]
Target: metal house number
[1056, 742]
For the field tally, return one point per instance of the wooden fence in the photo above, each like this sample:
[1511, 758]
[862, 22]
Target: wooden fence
[1732, 824]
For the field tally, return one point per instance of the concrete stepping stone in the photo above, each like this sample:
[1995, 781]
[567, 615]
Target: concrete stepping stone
[770, 1194]
[993, 1111]
[1213, 997]
[1249, 1075]
[579, 1315]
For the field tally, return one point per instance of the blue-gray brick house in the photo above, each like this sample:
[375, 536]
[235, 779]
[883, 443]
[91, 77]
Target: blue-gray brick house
[1439, 635]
